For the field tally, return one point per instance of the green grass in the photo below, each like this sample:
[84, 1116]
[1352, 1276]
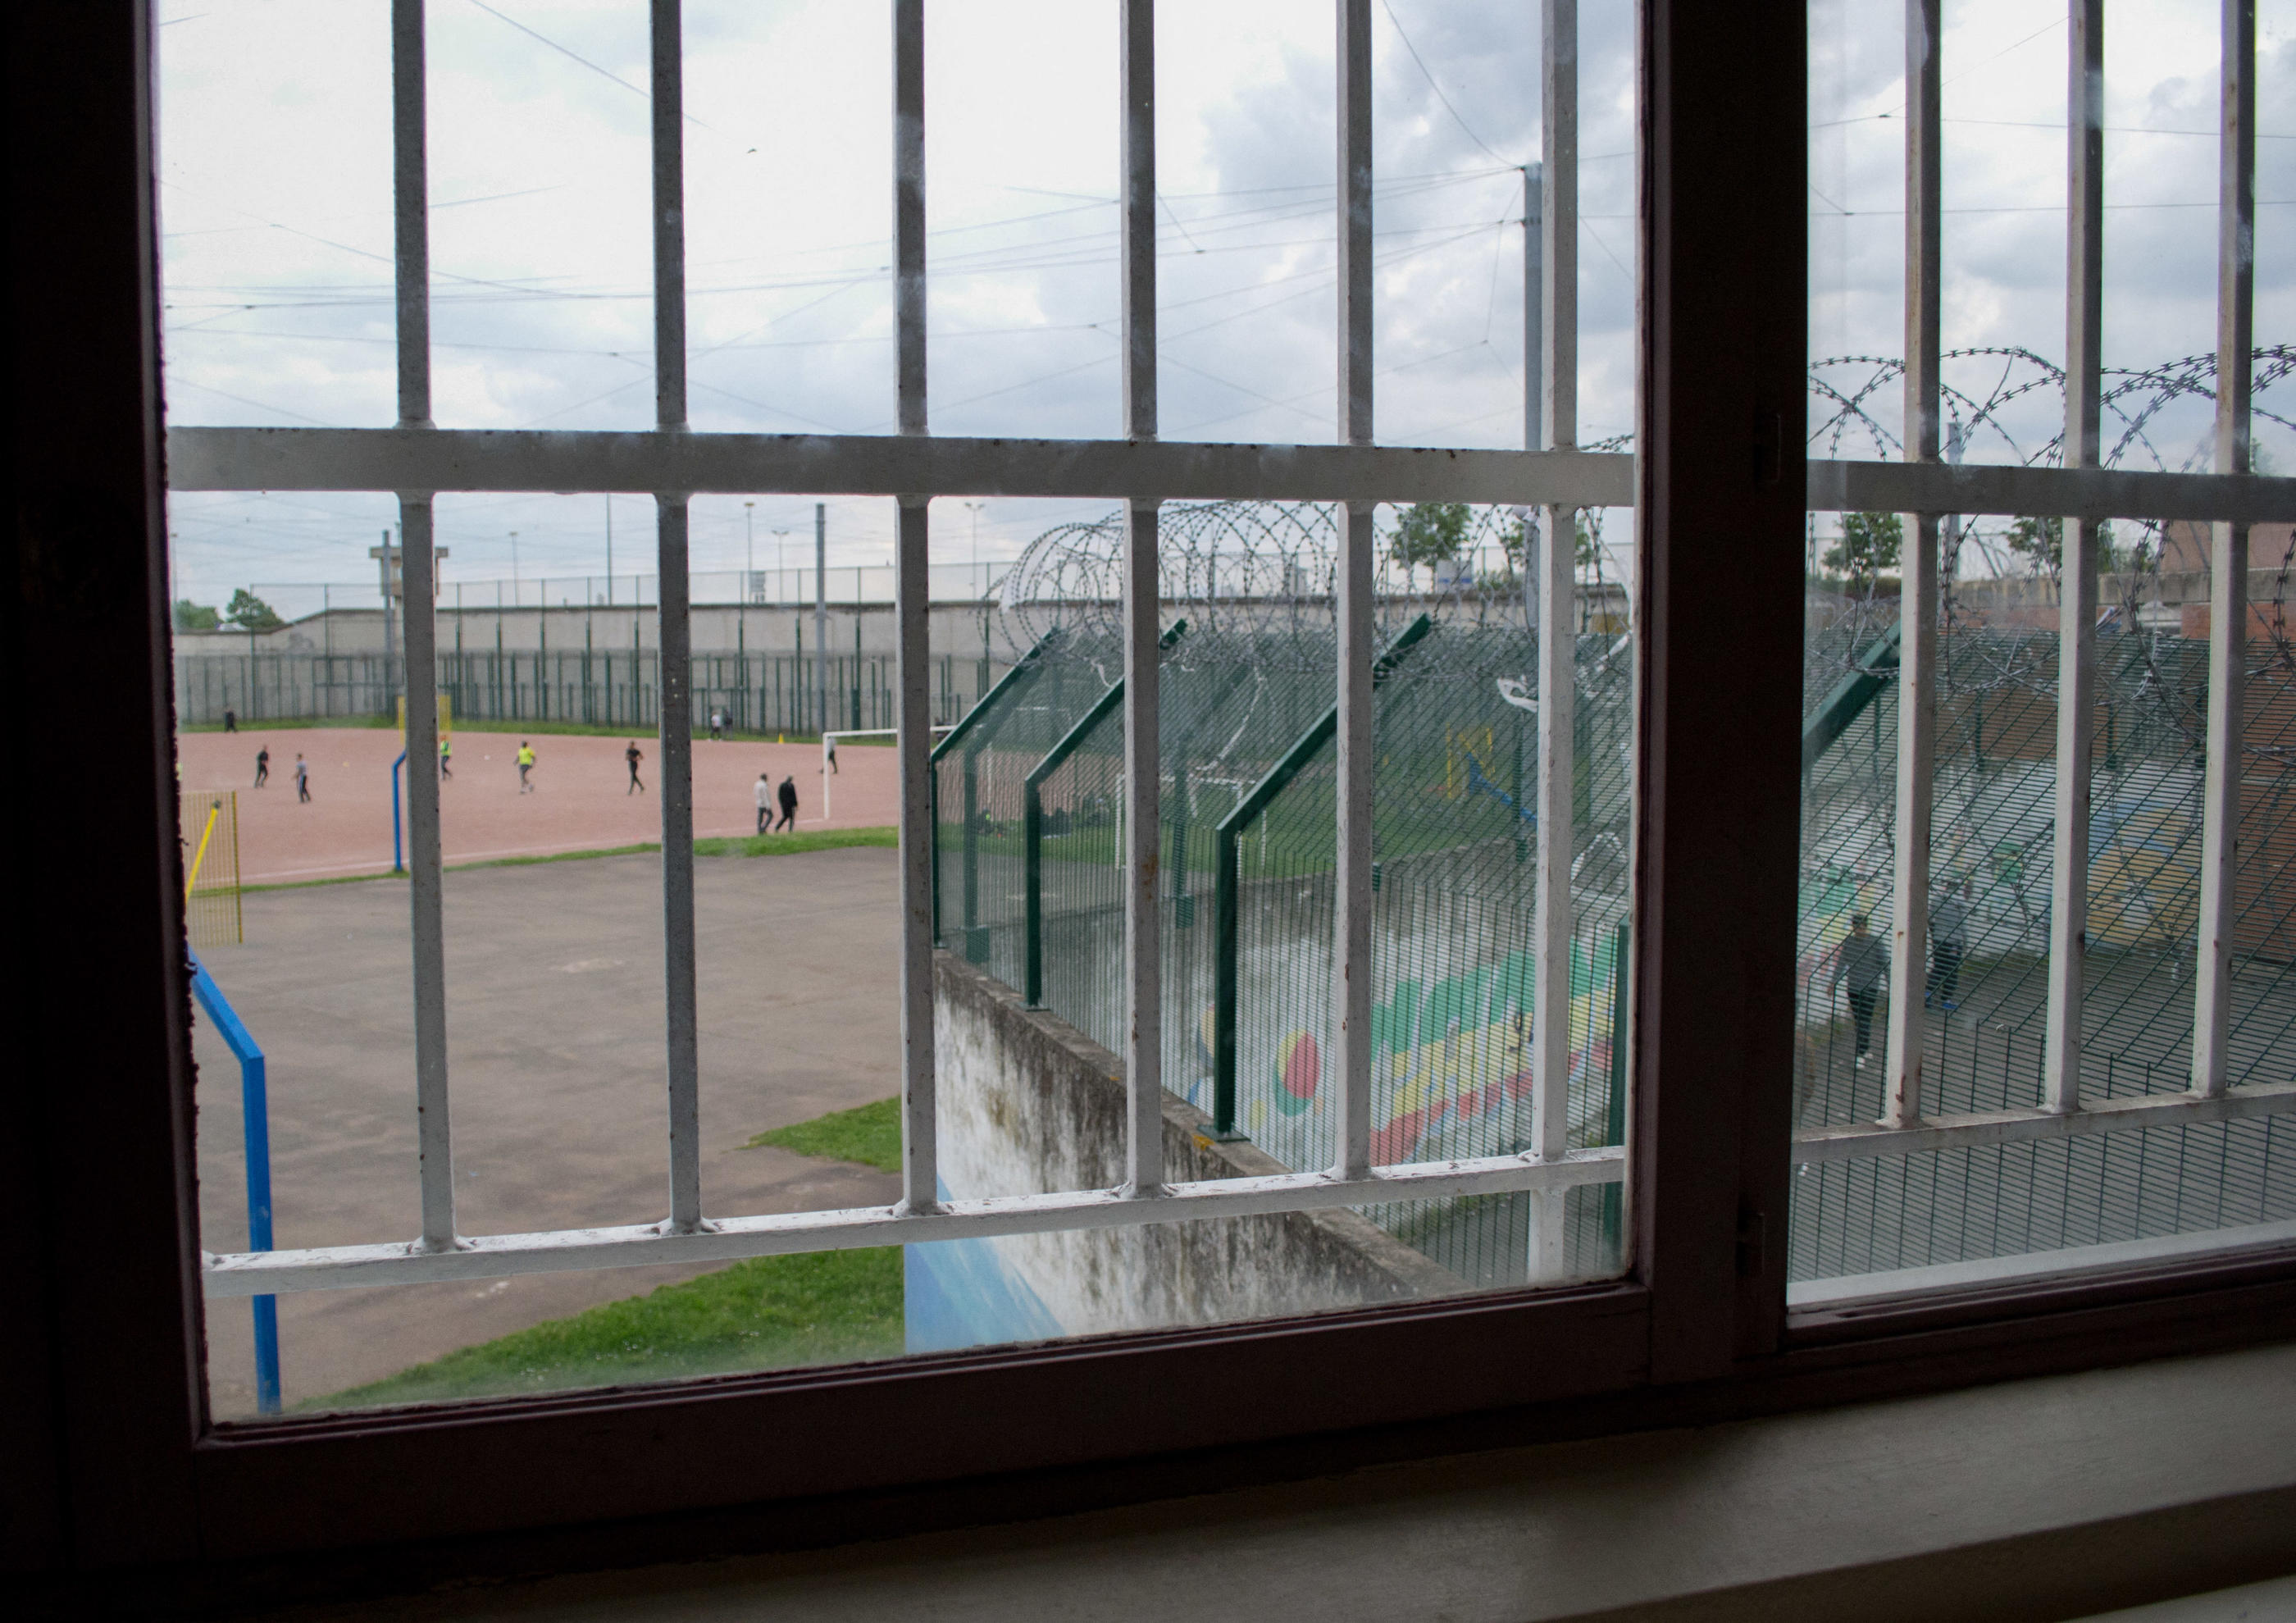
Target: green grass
[870, 1136]
[282, 723]
[771, 1312]
[740, 845]
[782, 844]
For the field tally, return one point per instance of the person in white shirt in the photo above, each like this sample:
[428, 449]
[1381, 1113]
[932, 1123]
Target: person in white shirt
[765, 800]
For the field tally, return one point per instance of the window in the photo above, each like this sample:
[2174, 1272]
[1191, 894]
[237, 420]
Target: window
[1717, 826]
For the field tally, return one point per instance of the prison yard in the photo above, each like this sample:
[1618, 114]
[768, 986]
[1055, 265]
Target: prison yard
[555, 988]
[581, 799]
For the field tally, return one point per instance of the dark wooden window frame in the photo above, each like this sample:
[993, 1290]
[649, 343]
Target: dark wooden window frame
[121, 1469]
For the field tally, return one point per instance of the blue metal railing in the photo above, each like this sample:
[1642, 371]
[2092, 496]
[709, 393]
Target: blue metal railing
[255, 1122]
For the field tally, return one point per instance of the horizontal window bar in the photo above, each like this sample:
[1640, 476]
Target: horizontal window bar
[863, 465]
[2200, 1245]
[732, 1239]
[1863, 1141]
[2071, 493]
[829, 464]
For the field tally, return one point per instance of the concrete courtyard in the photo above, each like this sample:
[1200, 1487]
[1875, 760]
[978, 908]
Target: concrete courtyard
[555, 1045]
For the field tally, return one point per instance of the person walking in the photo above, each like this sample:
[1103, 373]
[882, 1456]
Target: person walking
[525, 765]
[1864, 961]
[262, 766]
[633, 755]
[789, 804]
[1949, 942]
[231, 721]
[717, 723]
[445, 757]
[302, 781]
[833, 753]
[765, 800]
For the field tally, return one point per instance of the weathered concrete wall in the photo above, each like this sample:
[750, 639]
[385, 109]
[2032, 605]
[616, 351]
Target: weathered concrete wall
[1029, 1103]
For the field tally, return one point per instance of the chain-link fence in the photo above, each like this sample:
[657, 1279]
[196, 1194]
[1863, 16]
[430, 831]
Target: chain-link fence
[602, 687]
[1986, 985]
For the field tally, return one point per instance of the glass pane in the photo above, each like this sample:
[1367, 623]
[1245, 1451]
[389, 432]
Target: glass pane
[1858, 1224]
[551, 676]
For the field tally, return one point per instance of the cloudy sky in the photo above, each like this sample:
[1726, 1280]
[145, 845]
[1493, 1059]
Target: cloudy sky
[276, 198]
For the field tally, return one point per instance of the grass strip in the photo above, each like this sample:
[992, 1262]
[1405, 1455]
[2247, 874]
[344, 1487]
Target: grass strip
[737, 845]
[782, 844]
[768, 1313]
[870, 1136]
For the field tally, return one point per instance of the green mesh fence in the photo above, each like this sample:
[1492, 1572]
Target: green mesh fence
[1454, 893]
[1991, 864]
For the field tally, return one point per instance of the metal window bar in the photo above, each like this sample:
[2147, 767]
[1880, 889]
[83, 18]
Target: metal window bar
[418, 597]
[673, 463]
[1143, 1014]
[1918, 607]
[683, 1054]
[1555, 920]
[1351, 965]
[2078, 605]
[913, 596]
[2228, 588]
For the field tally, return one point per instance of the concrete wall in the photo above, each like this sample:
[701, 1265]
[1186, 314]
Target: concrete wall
[1029, 1103]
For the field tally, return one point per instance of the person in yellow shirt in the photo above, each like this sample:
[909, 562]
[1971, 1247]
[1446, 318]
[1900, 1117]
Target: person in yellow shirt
[525, 765]
[445, 755]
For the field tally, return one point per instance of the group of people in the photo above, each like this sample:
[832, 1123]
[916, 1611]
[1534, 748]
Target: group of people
[302, 773]
[1861, 963]
[769, 798]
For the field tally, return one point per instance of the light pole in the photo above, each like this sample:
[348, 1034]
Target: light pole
[974, 509]
[513, 569]
[749, 575]
[779, 563]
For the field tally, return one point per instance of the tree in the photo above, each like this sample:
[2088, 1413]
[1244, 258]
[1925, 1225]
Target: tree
[1870, 544]
[195, 617]
[251, 613]
[1429, 533]
[1511, 539]
[2041, 543]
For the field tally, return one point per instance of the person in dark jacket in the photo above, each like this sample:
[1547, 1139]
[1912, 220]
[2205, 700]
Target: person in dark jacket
[789, 804]
[1863, 963]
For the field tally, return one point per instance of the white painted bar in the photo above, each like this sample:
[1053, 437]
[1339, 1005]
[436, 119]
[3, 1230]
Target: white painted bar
[1351, 945]
[418, 577]
[920, 1117]
[2069, 899]
[1144, 823]
[2205, 1245]
[1554, 913]
[2228, 563]
[731, 1239]
[2010, 492]
[912, 611]
[643, 461]
[1909, 933]
[1863, 1141]
[426, 878]
[682, 1047]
